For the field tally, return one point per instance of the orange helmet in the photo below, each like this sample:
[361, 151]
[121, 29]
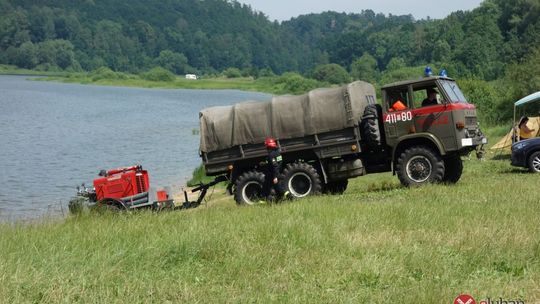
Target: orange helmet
[399, 106]
[270, 143]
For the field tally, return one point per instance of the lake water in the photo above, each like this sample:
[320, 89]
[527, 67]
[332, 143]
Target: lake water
[54, 136]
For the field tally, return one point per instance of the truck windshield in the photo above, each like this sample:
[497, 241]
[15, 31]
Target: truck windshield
[453, 92]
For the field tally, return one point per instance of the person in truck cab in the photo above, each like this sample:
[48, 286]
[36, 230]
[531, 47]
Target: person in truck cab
[272, 187]
[431, 99]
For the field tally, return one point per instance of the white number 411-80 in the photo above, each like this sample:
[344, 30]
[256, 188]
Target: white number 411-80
[395, 117]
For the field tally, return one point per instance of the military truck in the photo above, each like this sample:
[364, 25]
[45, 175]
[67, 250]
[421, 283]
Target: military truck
[328, 136]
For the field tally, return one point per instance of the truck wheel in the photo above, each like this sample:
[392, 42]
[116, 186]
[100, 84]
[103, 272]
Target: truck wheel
[534, 162]
[453, 167]
[301, 179]
[336, 187]
[371, 129]
[419, 165]
[249, 188]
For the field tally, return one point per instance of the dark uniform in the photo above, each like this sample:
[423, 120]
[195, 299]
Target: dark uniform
[431, 100]
[427, 102]
[273, 169]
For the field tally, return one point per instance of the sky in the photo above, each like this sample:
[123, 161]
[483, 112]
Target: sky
[420, 9]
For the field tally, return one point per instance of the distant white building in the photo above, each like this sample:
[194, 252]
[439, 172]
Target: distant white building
[191, 76]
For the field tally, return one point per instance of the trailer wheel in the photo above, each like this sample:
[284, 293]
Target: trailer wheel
[419, 165]
[77, 205]
[249, 188]
[453, 167]
[109, 205]
[371, 127]
[301, 179]
[105, 208]
[336, 187]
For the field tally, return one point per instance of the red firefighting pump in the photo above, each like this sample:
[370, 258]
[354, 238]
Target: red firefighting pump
[129, 188]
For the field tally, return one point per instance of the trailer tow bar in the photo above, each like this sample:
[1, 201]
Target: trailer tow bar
[203, 188]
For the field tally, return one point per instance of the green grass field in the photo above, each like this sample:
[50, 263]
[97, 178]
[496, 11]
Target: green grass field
[377, 243]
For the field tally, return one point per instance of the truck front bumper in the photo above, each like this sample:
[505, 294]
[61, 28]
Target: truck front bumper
[473, 142]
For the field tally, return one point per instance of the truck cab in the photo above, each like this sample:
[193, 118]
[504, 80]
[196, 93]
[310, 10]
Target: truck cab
[433, 113]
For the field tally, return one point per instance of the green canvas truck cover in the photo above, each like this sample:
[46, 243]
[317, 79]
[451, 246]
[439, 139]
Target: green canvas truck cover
[284, 117]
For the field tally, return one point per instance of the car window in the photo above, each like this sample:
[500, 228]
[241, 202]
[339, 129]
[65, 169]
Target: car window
[420, 93]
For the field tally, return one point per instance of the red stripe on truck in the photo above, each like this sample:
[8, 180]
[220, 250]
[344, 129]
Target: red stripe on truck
[436, 109]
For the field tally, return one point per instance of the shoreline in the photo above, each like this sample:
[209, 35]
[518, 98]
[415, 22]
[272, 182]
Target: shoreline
[288, 83]
[179, 83]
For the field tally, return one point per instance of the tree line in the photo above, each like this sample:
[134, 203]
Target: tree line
[495, 40]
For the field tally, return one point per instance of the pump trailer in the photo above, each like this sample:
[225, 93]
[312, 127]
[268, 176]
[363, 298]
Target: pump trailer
[128, 188]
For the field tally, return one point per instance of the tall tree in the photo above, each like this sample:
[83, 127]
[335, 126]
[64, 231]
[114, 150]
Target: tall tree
[331, 73]
[365, 68]
[174, 62]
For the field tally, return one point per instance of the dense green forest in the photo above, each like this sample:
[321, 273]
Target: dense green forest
[494, 47]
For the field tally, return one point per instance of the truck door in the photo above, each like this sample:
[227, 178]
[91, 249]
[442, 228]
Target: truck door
[431, 115]
[398, 115]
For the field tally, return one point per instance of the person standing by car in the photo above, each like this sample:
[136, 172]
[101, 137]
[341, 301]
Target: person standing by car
[524, 131]
[274, 159]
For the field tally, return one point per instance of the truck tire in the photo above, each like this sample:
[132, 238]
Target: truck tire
[534, 162]
[453, 167]
[418, 166]
[249, 188]
[300, 180]
[336, 187]
[371, 127]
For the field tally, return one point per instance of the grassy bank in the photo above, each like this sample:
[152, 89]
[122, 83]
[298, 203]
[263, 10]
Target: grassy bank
[13, 70]
[376, 243]
[246, 84]
[288, 83]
